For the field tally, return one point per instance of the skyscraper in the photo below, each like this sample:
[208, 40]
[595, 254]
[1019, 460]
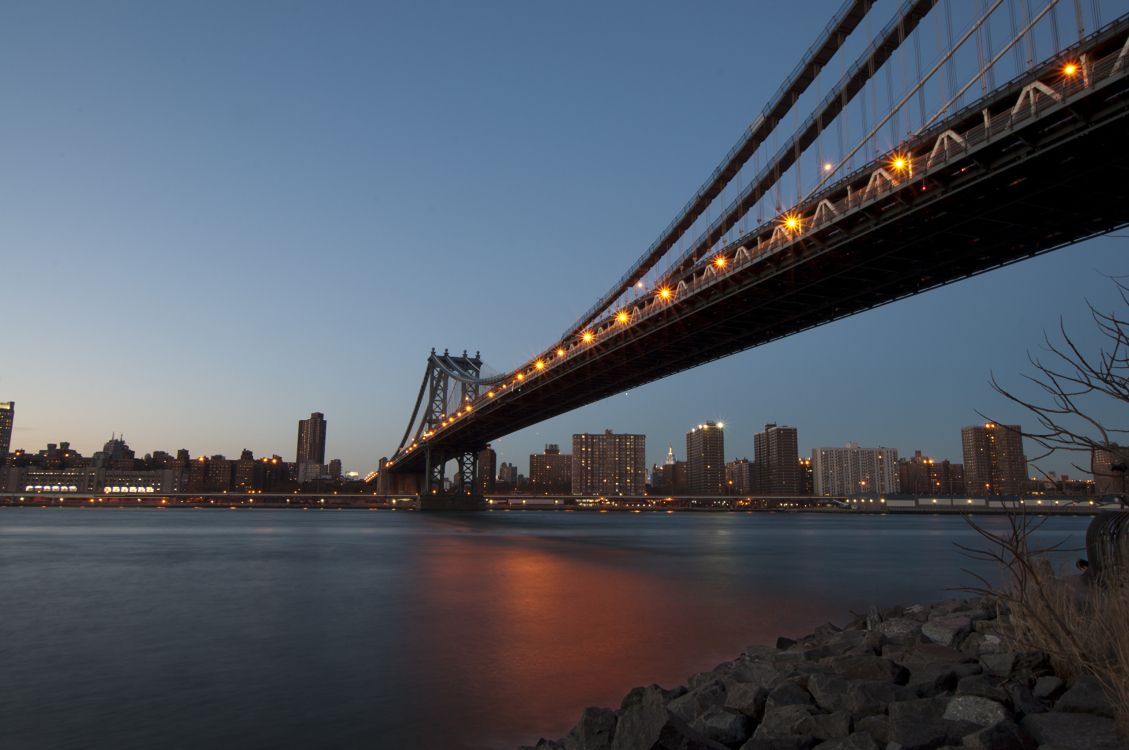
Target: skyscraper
[777, 461]
[311, 439]
[854, 471]
[609, 464]
[994, 463]
[705, 456]
[7, 418]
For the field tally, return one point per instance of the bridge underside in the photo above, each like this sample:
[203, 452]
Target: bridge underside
[1060, 180]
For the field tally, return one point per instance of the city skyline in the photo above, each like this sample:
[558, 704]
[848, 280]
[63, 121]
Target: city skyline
[908, 375]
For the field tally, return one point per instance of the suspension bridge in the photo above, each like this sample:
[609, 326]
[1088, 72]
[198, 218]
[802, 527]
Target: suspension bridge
[935, 154]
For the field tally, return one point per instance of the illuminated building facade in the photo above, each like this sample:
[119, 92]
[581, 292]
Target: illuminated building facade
[609, 464]
[994, 463]
[849, 471]
[777, 461]
[7, 419]
[550, 473]
[311, 439]
[705, 457]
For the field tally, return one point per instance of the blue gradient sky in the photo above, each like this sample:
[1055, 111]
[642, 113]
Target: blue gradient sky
[216, 218]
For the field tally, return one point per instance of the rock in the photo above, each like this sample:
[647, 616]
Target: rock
[635, 695]
[828, 726]
[783, 643]
[1023, 702]
[866, 667]
[930, 679]
[695, 702]
[877, 726]
[982, 686]
[990, 643]
[1085, 696]
[919, 725]
[1000, 664]
[594, 731]
[1046, 688]
[1002, 736]
[856, 741]
[783, 721]
[900, 630]
[724, 726]
[788, 694]
[780, 743]
[976, 710]
[760, 673]
[1071, 731]
[748, 699]
[867, 698]
[646, 724]
[826, 630]
[873, 619]
[829, 691]
[946, 630]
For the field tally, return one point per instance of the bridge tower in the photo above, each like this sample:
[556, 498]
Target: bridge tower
[450, 382]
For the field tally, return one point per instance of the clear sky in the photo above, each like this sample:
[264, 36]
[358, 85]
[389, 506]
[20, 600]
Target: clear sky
[218, 217]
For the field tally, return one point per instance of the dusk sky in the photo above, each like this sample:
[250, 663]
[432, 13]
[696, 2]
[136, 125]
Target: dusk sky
[216, 218]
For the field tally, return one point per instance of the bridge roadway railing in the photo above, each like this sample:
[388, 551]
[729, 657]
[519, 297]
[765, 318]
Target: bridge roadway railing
[1025, 100]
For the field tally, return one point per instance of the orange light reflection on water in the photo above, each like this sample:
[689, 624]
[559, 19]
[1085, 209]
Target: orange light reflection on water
[560, 626]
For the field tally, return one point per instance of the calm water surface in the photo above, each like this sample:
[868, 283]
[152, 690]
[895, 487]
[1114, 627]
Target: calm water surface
[287, 629]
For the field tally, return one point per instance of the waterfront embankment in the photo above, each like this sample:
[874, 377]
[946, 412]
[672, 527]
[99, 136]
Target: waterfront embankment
[906, 678]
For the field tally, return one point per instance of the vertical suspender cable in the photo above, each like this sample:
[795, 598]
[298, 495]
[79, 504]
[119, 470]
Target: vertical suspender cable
[1014, 33]
[1028, 37]
[988, 41]
[1055, 46]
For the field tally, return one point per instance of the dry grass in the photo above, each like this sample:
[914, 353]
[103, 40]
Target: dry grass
[1083, 628]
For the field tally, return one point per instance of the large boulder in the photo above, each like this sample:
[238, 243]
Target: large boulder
[646, 724]
[594, 731]
[1085, 696]
[829, 691]
[920, 725]
[788, 694]
[976, 710]
[695, 702]
[946, 630]
[869, 698]
[747, 698]
[856, 741]
[1002, 736]
[982, 686]
[900, 630]
[784, 721]
[867, 667]
[1071, 731]
[724, 726]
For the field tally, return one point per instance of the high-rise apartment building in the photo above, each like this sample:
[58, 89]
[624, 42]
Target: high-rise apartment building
[739, 477]
[852, 470]
[1108, 465]
[311, 443]
[7, 419]
[777, 461]
[487, 459]
[705, 457]
[609, 464]
[994, 463]
[550, 473]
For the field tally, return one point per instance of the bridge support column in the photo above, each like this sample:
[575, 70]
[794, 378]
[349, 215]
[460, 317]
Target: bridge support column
[463, 494]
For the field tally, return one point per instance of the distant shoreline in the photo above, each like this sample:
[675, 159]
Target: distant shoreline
[409, 505]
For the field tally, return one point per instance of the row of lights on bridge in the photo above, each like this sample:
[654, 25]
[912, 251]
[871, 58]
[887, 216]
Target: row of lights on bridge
[792, 222]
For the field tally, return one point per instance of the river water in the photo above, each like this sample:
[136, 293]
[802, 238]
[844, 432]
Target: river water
[386, 629]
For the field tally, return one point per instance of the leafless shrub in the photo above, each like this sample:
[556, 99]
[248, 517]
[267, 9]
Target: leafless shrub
[1081, 626]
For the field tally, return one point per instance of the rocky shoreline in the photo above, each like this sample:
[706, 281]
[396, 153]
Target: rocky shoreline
[913, 678]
